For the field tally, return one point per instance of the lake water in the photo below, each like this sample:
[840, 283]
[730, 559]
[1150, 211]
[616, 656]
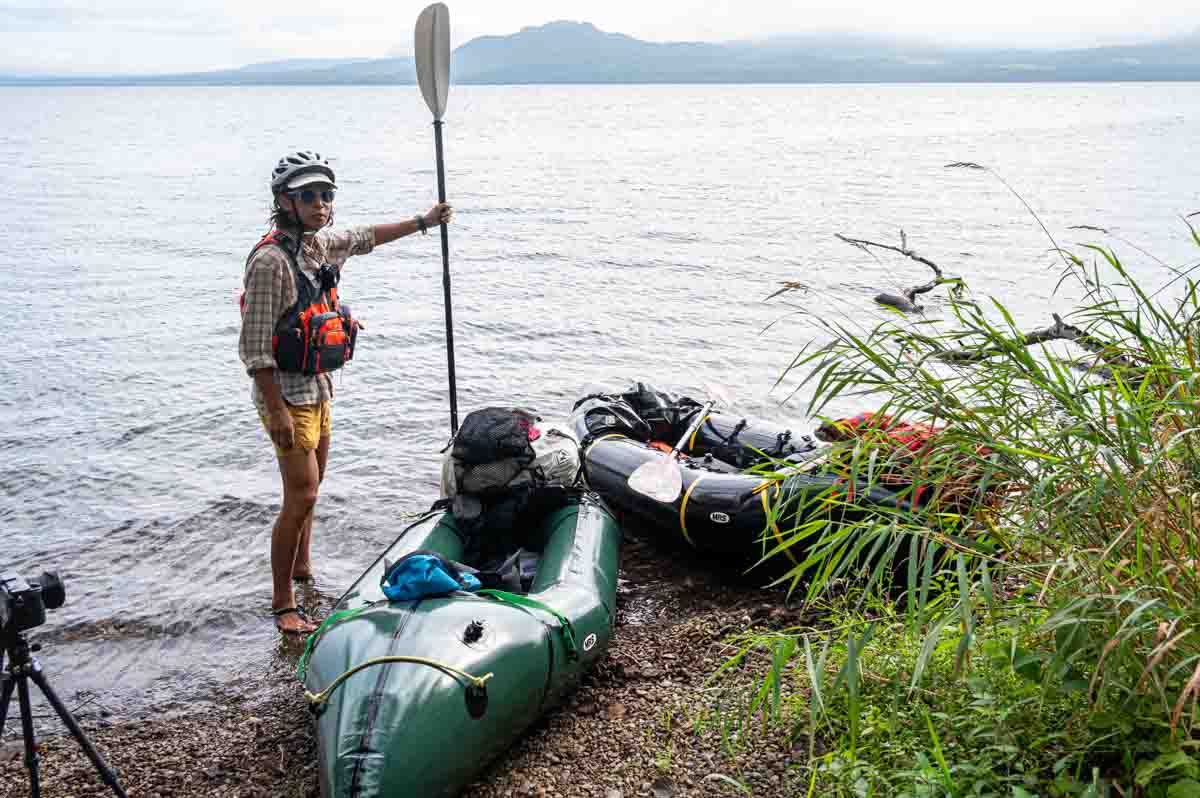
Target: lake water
[603, 233]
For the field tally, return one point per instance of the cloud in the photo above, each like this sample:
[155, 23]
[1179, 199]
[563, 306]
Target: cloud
[153, 21]
[136, 36]
[152, 36]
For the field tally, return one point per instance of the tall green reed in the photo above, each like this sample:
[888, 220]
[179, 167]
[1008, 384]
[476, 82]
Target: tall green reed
[1059, 490]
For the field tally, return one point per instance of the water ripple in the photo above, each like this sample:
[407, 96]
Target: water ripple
[603, 234]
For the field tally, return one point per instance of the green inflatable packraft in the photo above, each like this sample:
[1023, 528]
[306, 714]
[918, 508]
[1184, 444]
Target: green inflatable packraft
[413, 698]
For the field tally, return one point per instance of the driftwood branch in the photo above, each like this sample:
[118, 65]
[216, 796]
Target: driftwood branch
[906, 301]
[903, 249]
[1059, 331]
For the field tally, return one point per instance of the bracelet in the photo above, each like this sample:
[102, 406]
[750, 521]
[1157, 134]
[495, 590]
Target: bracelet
[421, 224]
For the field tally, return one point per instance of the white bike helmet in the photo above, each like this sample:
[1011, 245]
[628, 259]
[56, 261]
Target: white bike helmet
[301, 168]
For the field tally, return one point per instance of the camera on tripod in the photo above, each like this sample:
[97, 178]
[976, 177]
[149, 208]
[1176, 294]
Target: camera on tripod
[23, 605]
[23, 602]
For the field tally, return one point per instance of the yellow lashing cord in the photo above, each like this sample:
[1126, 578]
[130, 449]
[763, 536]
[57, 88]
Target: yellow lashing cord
[762, 491]
[683, 509]
[317, 699]
[604, 438]
[692, 440]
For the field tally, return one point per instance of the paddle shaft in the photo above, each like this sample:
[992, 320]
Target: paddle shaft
[695, 425]
[441, 180]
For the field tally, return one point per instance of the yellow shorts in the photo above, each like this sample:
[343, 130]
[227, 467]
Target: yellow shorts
[311, 422]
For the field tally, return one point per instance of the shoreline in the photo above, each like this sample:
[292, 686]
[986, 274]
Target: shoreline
[643, 723]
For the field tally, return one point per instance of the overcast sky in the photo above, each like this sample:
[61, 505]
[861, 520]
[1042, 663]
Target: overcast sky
[161, 36]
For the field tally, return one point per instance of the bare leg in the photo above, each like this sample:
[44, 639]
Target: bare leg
[302, 568]
[301, 478]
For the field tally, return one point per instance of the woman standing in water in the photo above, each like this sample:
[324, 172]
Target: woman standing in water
[294, 332]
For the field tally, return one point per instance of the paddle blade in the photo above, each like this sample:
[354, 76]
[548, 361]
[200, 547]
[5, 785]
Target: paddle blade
[431, 49]
[661, 480]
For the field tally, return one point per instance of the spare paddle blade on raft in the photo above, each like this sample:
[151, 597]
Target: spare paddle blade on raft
[661, 480]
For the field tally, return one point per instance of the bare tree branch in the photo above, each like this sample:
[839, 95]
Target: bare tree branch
[902, 250]
[907, 301]
[1059, 331]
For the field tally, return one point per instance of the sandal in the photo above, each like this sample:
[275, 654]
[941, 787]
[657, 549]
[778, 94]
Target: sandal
[303, 616]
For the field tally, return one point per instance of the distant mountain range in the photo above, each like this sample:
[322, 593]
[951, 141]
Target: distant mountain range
[578, 52]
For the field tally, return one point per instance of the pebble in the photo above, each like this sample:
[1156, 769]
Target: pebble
[11, 751]
[663, 788]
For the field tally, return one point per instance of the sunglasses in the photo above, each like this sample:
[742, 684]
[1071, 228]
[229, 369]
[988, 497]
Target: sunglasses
[308, 196]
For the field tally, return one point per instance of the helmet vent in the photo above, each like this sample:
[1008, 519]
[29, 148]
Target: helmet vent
[298, 163]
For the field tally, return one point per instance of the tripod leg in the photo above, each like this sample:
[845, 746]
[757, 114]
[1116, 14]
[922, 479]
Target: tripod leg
[31, 756]
[105, 772]
[7, 682]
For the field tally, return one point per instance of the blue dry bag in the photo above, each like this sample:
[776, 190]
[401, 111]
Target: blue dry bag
[425, 573]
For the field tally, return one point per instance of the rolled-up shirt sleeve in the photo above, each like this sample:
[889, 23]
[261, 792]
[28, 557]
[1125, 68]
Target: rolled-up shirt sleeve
[261, 309]
[343, 244]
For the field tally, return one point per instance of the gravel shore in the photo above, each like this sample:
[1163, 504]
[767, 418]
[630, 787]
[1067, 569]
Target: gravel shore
[644, 723]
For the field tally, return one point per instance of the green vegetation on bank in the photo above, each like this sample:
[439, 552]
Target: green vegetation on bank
[1030, 628]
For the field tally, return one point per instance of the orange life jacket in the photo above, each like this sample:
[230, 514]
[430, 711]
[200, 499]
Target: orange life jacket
[317, 334]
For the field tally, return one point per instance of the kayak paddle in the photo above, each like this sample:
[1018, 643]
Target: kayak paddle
[662, 480]
[431, 50]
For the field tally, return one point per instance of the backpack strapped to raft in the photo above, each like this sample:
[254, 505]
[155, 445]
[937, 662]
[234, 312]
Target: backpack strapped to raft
[502, 469]
[317, 334]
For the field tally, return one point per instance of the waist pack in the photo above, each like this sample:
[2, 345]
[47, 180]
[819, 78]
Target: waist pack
[318, 333]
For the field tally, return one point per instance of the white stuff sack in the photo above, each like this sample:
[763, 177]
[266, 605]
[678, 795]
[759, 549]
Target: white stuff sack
[448, 486]
[557, 457]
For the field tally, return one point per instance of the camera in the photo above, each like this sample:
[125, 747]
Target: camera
[23, 602]
[23, 605]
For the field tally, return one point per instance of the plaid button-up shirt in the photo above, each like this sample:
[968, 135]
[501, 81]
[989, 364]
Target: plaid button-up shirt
[271, 292]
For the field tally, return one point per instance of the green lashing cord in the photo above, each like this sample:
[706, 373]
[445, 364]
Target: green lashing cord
[311, 643]
[317, 699]
[565, 627]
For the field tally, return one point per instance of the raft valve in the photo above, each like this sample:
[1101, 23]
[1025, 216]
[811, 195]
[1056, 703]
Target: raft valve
[473, 633]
